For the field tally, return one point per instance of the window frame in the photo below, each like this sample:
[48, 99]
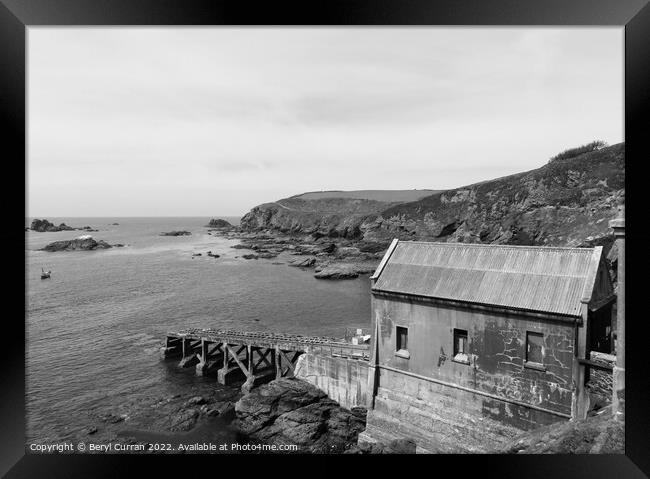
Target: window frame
[455, 333]
[539, 366]
[399, 350]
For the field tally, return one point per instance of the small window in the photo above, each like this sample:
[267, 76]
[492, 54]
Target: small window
[461, 346]
[534, 348]
[401, 342]
[402, 338]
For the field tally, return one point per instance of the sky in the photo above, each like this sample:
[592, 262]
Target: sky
[213, 121]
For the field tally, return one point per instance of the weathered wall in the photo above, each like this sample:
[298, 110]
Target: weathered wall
[438, 418]
[344, 380]
[600, 384]
[497, 344]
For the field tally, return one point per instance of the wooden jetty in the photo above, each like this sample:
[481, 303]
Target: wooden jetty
[254, 356]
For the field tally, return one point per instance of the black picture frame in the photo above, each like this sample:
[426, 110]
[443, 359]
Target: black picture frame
[634, 15]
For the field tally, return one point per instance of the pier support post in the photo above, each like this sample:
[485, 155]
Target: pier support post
[172, 348]
[189, 353]
[209, 360]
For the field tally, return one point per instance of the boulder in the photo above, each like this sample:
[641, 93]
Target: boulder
[194, 401]
[304, 262]
[292, 411]
[184, 420]
[337, 271]
[219, 223]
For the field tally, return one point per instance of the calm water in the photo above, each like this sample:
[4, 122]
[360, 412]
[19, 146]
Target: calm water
[95, 328]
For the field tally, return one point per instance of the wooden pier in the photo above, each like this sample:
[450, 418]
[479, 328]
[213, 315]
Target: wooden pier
[255, 357]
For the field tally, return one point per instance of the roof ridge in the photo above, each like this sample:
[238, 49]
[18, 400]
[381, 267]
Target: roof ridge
[509, 271]
[503, 246]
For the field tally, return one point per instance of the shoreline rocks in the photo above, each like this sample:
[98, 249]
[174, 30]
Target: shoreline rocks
[175, 233]
[331, 259]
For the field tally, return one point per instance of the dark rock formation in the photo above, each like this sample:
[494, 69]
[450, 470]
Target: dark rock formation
[176, 233]
[291, 411]
[43, 226]
[85, 243]
[219, 223]
[250, 256]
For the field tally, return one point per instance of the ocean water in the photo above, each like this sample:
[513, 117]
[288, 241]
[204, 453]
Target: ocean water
[95, 328]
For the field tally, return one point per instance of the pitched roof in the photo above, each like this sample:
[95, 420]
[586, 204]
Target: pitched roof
[532, 278]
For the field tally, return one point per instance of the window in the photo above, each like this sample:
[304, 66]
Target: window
[401, 346]
[534, 348]
[461, 346]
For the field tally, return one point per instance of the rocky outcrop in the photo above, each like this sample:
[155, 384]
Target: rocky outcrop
[176, 233]
[307, 262]
[337, 271]
[83, 243]
[44, 226]
[219, 223]
[292, 411]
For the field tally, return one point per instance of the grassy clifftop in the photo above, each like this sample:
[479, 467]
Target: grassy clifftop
[564, 202]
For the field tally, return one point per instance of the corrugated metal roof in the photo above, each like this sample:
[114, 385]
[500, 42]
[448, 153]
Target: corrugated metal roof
[534, 278]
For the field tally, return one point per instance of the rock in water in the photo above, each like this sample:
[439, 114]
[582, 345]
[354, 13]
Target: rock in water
[291, 411]
[304, 263]
[337, 271]
[43, 226]
[85, 243]
[175, 233]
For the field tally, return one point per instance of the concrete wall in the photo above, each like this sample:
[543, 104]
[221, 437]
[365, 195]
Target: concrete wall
[344, 380]
[497, 345]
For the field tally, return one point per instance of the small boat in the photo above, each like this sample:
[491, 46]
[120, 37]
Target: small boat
[45, 274]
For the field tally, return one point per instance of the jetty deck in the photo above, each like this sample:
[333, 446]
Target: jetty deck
[251, 355]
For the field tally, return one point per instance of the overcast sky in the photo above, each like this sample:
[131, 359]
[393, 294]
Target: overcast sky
[213, 121]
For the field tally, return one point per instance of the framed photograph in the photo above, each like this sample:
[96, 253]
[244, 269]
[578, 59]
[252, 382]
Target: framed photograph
[326, 229]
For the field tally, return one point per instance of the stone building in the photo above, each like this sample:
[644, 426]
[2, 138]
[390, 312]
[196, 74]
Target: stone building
[472, 344]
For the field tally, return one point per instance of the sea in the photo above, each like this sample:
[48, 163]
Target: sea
[95, 328]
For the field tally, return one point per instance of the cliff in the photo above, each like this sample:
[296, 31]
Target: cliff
[566, 202]
[332, 214]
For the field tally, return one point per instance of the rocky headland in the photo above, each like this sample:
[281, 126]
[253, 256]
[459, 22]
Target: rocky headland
[566, 202]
